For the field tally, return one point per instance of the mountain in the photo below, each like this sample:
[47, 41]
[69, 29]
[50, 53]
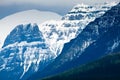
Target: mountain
[24, 52]
[73, 49]
[30, 16]
[98, 38]
[105, 68]
[81, 11]
[29, 48]
[28, 33]
[62, 31]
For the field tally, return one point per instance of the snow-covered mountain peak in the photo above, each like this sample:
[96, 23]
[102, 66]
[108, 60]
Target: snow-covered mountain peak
[28, 33]
[81, 11]
[8, 23]
[82, 7]
[25, 49]
[58, 32]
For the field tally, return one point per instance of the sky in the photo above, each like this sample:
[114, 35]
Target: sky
[61, 7]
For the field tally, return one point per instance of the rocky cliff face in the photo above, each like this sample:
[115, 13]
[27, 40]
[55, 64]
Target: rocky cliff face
[24, 52]
[28, 33]
[98, 38]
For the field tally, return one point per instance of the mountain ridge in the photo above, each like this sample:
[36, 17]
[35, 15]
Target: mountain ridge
[94, 31]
